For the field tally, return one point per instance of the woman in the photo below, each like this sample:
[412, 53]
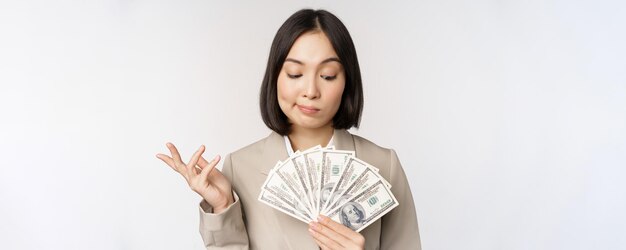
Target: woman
[310, 95]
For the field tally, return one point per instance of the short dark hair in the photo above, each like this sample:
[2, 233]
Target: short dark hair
[349, 113]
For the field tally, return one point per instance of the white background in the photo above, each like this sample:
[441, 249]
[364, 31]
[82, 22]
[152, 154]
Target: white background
[509, 118]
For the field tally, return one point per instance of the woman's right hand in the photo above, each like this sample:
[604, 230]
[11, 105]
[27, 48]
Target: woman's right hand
[207, 181]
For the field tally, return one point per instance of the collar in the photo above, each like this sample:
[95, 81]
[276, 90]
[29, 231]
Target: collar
[275, 148]
[290, 151]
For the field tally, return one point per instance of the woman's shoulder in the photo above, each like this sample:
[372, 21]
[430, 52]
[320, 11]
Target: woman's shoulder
[385, 159]
[252, 148]
[372, 153]
[271, 145]
[365, 146]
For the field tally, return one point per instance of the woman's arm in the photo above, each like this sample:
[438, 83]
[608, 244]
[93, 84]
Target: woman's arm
[399, 228]
[221, 218]
[225, 229]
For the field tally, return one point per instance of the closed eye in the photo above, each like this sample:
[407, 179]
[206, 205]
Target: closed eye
[328, 78]
[294, 76]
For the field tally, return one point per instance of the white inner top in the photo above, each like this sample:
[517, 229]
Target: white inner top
[290, 151]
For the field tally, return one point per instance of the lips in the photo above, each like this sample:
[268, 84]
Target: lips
[308, 109]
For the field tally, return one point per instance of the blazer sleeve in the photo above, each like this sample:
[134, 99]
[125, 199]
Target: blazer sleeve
[399, 227]
[227, 229]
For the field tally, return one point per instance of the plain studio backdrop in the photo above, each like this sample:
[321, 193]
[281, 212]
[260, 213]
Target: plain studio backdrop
[509, 118]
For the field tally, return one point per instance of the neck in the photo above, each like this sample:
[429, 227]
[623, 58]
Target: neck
[304, 138]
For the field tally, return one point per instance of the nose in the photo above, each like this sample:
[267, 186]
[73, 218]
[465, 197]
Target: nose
[311, 90]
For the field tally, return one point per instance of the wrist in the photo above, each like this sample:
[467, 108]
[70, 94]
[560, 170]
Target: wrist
[219, 208]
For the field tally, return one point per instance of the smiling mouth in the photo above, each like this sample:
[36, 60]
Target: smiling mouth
[308, 110]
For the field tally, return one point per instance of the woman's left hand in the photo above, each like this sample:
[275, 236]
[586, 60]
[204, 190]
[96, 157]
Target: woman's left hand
[331, 235]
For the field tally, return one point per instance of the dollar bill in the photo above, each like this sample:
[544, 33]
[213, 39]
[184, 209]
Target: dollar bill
[330, 182]
[352, 169]
[363, 181]
[292, 178]
[276, 186]
[384, 180]
[314, 167]
[333, 162]
[273, 201]
[365, 208]
[301, 167]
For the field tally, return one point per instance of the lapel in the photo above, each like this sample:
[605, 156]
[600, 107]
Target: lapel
[295, 233]
[274, 150]
[343, 140]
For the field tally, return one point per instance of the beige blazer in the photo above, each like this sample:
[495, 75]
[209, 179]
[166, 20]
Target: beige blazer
[250, 224]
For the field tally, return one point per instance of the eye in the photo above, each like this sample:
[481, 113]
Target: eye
[294, 76]
[328, 78]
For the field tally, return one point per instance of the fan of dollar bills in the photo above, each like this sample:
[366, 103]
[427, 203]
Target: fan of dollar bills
[328, 182]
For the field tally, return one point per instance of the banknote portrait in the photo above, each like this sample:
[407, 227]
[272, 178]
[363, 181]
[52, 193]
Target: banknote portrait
[352, 215]
[341, 200]
[335, 195]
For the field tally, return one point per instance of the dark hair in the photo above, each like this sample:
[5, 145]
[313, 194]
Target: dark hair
[349, 113]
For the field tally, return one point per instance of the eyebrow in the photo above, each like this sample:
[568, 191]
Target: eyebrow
[331, 59]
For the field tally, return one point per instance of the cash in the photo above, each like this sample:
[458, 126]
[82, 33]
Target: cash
[330, 182]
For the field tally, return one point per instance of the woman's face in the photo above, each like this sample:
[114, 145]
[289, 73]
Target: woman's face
[311, 82]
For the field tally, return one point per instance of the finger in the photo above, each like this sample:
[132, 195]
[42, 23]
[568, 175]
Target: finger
[191, 166]
[168, 160]
[342, 240]
[321, 245]
[336, 227]
[325, 241]
[175, 154]
[203, 162]
[208, 168]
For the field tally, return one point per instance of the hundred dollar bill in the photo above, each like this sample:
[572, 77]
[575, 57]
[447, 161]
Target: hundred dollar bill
[314, 167]
[365, 208]
[301, 166]
[333, 162]
[275, 185]
[363, 181]
[352, 169]
[291, 177]
[384, 180]
[279, 204]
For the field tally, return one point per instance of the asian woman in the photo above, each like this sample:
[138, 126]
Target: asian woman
[310, 95]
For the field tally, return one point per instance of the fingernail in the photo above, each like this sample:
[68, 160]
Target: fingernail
[321, 218]
[213, 160]
[313, 225]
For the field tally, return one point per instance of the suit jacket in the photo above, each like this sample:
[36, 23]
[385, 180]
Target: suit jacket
[250, 224]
